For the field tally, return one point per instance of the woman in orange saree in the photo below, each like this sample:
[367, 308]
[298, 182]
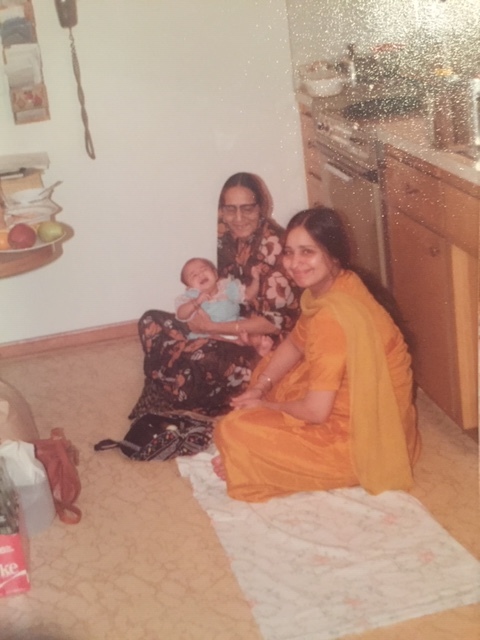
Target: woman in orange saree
[332, 406]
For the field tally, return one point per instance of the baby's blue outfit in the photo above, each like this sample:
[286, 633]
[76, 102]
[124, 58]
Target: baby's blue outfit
[225, 307]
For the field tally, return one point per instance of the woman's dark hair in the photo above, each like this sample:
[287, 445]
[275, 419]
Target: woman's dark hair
[326, 228]
[251, 182]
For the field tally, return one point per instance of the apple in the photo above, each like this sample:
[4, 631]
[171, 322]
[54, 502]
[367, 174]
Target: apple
[49, 231]
[21, 236]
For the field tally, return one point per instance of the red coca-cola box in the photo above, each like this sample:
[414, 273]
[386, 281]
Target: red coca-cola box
[14, 574]
[14, 543]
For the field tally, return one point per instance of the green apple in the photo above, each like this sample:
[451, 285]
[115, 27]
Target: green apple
[49, 231]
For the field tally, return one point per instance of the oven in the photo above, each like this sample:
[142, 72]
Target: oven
[349, 174]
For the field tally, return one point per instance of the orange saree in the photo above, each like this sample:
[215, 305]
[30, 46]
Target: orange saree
[351, 346]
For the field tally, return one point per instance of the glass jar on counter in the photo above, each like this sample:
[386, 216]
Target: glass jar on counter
[441, 109]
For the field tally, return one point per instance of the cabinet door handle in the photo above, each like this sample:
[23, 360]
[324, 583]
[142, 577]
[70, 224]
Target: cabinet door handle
[434, 251]
[411, 191]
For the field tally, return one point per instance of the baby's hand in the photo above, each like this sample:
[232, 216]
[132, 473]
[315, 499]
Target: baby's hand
[202, 298]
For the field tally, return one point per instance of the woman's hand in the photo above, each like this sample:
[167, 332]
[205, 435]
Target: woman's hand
[247, 400]
[243, 338]
[200, 323]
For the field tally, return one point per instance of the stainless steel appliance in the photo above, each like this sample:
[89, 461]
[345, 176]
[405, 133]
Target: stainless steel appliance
[346, 137]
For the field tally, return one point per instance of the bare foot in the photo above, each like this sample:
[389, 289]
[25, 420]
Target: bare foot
[218, 467]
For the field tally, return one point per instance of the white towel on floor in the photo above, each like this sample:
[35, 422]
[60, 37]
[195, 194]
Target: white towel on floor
[317, 566]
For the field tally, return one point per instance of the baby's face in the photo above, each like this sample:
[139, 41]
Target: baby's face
[201, 276]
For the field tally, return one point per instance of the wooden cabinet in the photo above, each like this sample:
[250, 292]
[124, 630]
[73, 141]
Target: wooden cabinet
[461, 223]
[416, 193]
[314, 161]
[432, 224]
[423, 292]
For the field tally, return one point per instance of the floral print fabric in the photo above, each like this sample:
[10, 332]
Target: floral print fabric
[278, 297]
[203, 374]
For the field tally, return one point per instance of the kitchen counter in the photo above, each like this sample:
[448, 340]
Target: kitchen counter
[410, 134]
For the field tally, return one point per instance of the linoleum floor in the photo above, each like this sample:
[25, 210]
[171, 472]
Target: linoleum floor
[145, 563]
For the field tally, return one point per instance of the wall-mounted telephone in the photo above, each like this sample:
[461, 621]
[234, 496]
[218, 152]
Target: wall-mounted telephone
[67, 16]
[67, 13]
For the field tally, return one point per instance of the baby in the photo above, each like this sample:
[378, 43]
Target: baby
[220, 298]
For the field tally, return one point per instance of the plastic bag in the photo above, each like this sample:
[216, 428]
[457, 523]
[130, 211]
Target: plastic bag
[31, 482]
[16, 420]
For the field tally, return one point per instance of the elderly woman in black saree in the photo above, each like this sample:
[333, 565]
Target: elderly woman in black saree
[203, 374]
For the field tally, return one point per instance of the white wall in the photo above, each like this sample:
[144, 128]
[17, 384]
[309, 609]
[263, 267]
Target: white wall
[180, 94]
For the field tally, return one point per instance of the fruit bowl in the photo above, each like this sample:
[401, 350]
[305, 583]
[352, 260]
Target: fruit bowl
[39, 244]
[42, 239]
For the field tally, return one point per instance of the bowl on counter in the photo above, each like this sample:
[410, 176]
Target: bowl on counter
[324, 87]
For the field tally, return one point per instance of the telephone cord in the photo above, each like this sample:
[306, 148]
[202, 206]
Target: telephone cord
[81, 98]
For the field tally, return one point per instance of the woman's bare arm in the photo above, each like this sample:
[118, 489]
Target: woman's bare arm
[315, 407]
[201, 323]
[285, 357]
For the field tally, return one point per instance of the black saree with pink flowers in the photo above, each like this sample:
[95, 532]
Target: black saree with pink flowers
[202, 375]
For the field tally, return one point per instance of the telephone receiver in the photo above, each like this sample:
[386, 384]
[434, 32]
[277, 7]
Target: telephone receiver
[67, 13]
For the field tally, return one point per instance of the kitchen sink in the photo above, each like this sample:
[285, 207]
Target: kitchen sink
[373, 108]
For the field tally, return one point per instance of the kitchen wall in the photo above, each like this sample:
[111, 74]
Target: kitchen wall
[179, 96]
[433, 31]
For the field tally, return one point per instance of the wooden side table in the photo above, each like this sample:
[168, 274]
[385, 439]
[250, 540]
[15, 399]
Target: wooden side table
[12, 264]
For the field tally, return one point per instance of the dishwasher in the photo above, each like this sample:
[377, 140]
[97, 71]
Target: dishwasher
[355, 193]
[351, 185]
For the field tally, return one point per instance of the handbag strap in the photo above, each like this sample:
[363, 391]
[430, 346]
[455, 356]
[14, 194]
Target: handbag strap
[68, 513]
[103, 445]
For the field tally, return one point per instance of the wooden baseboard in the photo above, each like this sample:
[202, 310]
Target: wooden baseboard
[70, 339]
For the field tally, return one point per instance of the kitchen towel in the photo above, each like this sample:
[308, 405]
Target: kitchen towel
[318, 566]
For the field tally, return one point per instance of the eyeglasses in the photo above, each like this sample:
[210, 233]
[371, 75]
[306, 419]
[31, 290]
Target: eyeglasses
[245, 209]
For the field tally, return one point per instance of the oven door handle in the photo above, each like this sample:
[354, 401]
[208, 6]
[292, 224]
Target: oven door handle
[339, 173]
